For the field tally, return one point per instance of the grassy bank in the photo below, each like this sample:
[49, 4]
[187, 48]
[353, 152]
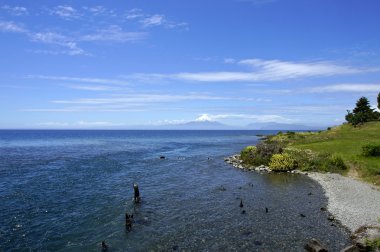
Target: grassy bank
[339, 149]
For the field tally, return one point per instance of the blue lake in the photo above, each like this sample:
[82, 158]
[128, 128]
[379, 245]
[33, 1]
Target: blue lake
[69, 190]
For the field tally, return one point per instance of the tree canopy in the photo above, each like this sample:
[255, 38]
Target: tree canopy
[362, 112]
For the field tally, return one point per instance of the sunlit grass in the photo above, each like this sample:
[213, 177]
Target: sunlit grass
[346, 141]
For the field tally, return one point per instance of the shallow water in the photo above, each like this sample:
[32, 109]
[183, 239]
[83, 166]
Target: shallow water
[69, 190]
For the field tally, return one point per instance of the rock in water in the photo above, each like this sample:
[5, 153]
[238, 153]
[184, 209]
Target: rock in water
[241, 203]
[351, 248]
[314, 246]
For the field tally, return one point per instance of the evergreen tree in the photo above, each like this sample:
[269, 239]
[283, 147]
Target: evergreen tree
[362, 113]
[378, 100]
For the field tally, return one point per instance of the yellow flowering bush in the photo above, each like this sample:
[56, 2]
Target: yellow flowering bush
[282, 162]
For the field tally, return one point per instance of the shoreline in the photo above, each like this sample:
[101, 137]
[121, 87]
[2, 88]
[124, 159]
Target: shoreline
[352, 203]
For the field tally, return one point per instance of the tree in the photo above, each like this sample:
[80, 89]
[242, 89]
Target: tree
[362, 113]
[378, 100]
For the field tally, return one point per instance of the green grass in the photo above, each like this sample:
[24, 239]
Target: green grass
[347, 142]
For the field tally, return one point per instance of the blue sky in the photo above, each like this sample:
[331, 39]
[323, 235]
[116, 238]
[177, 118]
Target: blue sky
[120, 64]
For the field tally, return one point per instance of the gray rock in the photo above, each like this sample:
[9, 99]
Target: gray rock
[315, 246]
[351, 248]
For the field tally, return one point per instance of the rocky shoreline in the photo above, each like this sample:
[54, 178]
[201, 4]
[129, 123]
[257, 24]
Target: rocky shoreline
[236, 162]
[354, 204]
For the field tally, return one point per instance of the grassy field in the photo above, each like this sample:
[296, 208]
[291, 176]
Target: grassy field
[347, 142]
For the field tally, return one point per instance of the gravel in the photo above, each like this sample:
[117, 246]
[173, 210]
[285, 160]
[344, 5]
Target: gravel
[352, 202]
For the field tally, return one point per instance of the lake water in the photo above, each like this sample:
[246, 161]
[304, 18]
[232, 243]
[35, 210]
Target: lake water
[69, 190]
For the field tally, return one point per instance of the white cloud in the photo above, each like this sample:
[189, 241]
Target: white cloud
[60, 40]
[91, 87]
[346, 88]
[256, 118]
[80, 79]
[6, 26]
[53, 124]
[79, 124]
[97, 124]
[267, 70]
[167, 122]
[65, 11]
[15, 10]
[100, 10]
[134, 14]
[161, 20]
[118, 103]
[140, 99]
[154, 20]
[70, 45]
[114, 33]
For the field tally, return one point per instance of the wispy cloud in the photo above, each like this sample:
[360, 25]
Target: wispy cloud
[256, 118]
[346, 88]
[6, 26]
[15, 10]
[60, 40]
[51, 38]
[91, 87]
[141, 99]
[155, 20]
[65, 11]
[80, 79]
[79, 124]
[100, 10]
[121, 103]
[114, 33]
[267, 70]
[134, 14]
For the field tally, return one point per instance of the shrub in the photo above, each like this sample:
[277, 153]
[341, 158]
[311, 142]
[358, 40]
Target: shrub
[337, 162]
[330, 163]
[261, 154]
[371, 150]
[373, 245]
[248, 152]
[306, 159]
[282, 162]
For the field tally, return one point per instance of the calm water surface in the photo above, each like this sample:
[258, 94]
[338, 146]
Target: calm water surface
[69, 190]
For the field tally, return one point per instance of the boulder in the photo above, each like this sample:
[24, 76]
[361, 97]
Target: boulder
[351, 248]
[315, 246]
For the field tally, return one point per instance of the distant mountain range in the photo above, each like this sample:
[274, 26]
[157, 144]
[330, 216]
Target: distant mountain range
[213, 125]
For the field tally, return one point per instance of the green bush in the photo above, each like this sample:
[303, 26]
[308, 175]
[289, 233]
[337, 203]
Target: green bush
[373, 245]
[306, 159]
[330, 163]
[282, 162]
[248, 153]
[337, 162]
[261, 154]
[371, 150]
